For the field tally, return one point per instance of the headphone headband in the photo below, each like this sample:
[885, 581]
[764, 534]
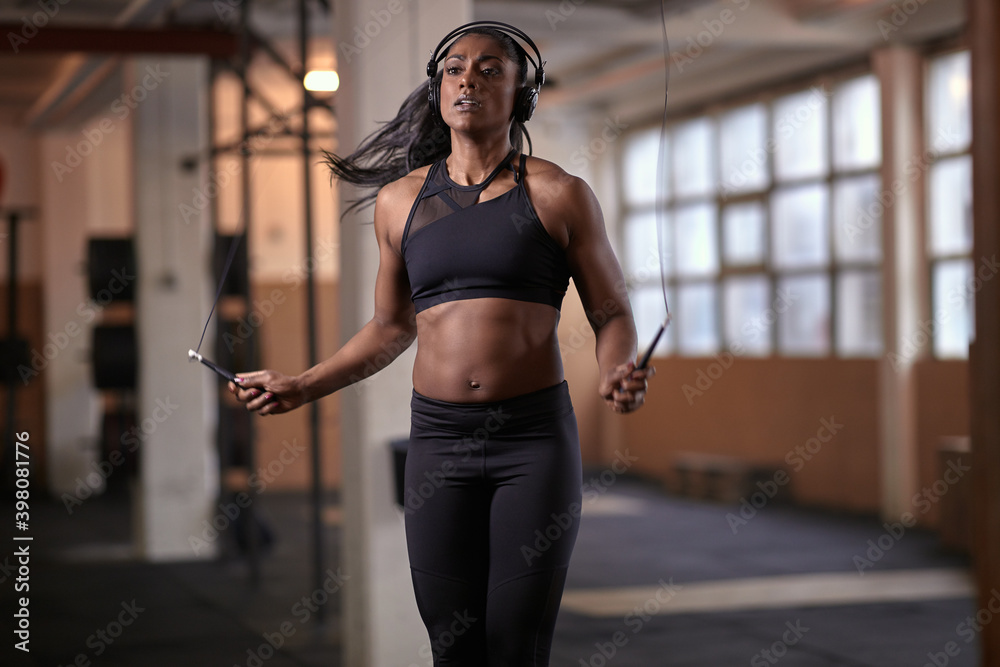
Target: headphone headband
[507, 28]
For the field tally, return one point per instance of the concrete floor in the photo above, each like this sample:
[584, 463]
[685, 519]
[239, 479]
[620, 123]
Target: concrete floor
[655, 581]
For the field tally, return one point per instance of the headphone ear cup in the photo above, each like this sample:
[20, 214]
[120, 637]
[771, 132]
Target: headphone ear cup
[524, 105]
[434, 97]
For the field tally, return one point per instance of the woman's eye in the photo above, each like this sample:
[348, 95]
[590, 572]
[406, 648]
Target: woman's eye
[451, 70]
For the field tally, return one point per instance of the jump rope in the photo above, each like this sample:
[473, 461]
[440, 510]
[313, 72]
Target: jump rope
[195, 354]
[661, 157]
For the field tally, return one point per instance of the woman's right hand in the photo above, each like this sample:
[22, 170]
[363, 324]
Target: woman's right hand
[268, 392]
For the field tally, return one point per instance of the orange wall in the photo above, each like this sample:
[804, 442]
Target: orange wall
[282, 342]
[761, 410]
[943, 399]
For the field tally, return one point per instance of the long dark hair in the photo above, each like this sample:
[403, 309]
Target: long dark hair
[415, 137]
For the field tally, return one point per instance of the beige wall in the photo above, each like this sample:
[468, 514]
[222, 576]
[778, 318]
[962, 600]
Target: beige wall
[282, 341]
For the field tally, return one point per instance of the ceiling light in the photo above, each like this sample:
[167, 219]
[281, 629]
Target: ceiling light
[322, 81]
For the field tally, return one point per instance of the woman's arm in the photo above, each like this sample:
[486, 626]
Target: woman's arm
[391, 330]
[601, 285]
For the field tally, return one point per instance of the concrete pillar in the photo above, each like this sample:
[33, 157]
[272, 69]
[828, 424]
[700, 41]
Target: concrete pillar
[984, 357]
[176, 400]
[381, 51]
[72, 407]
[899, 70]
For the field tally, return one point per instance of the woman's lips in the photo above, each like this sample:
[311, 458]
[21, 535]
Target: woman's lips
[467, 103]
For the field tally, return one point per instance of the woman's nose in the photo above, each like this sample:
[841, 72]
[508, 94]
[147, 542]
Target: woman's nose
[468, 79]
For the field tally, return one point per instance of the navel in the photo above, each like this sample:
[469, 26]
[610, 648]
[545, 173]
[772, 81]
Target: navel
[474, 384]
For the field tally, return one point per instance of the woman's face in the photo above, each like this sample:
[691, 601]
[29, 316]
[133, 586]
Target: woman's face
[477, 85]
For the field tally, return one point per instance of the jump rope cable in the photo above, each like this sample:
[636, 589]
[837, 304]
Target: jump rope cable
[237, 240]
[661, 159]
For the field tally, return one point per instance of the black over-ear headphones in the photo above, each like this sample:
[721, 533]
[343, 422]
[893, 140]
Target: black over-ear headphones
[527, 96]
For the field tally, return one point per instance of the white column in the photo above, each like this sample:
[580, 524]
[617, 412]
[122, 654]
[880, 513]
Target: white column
[904, 275]
[176, 400]
[72, 409]
[382, 50]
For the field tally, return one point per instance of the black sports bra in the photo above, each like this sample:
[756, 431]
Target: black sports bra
[455, 247]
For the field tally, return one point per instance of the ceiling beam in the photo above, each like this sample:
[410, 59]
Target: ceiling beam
[178, 41]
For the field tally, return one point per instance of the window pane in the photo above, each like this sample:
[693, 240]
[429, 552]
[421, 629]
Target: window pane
[639, 172]
[743, 234]
[857, 134]
[859, 313]
[951, 206]
[799, 220]
[748, 315]
[648, 311]
[697, 243]
[742, 140]
[696, 320]
[953, 309]
[693, 166]
[857, 219]
[642, 261]
[803, 329]
[799, 130]
[949, 121]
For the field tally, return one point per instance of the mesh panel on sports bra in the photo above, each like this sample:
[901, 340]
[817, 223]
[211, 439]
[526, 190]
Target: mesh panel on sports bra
[441, 197]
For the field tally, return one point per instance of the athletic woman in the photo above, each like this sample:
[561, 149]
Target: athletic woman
[477, 244]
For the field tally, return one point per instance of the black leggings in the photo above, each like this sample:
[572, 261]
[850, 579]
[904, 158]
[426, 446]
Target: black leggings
[492, 507]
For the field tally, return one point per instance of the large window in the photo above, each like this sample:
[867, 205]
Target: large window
[949, 204]
[766, 224]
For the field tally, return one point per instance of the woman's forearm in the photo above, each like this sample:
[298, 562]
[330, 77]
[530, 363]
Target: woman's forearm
[370, 350]
[616, 343]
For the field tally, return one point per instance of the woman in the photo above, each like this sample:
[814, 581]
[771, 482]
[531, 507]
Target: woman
[476, 247]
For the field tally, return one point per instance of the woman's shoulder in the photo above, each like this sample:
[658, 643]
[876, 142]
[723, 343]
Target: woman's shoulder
[553, 185]
[403, 191]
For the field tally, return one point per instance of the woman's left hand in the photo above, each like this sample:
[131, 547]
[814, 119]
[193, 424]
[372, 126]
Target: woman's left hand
[624, 388]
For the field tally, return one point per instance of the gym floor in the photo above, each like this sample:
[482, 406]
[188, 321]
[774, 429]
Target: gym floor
[655, 581]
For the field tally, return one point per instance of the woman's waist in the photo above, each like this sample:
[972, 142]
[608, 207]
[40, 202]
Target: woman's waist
[516, 412]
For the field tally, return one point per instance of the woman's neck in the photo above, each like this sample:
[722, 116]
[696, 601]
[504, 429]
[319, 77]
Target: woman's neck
[471, 162]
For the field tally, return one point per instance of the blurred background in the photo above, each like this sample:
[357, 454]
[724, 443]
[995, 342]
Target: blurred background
[800, 187]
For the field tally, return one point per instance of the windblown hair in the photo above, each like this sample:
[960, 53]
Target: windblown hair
[415, 137]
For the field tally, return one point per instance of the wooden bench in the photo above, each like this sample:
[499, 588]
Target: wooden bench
[720, 477]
